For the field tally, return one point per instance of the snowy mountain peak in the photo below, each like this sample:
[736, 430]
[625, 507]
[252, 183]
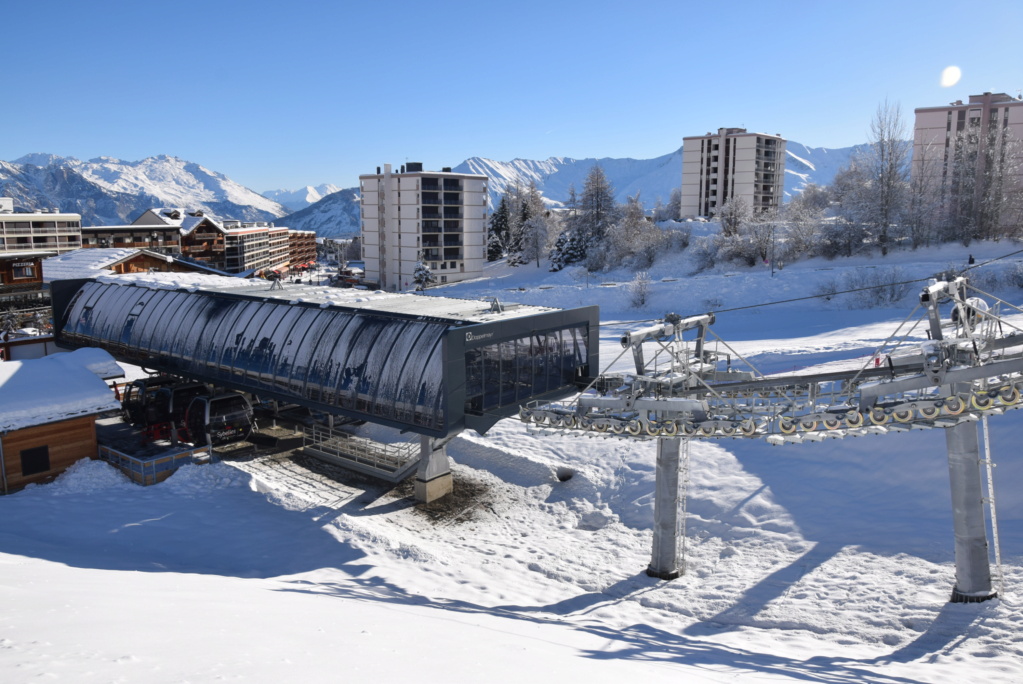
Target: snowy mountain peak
[110, 191]
[41, 159]
[296, 200]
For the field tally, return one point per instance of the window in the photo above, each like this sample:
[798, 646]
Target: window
[35, 460]
[24, 271]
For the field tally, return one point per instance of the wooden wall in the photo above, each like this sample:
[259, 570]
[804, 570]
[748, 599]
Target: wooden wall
[68, 441]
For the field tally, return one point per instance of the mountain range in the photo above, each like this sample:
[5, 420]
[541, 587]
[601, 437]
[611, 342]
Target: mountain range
[108, 191]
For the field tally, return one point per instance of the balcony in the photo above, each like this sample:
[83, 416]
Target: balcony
[452, 213]
[431, 198]
[452, 184]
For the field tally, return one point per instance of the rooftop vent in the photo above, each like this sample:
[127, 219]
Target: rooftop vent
[446, 169]
[414, 167]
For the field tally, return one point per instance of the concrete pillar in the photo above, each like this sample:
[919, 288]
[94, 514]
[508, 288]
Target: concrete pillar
[433, 479]
[664, 562]
[973, 565]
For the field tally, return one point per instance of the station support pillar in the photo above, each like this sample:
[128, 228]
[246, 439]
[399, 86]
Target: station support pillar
[433, 479]
[973, 564]
[664, 563]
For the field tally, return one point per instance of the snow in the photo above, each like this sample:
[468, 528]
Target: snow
[84, 263]
[55, 388]
[827, 562]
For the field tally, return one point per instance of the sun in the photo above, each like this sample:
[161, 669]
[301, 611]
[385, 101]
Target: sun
[950, 76]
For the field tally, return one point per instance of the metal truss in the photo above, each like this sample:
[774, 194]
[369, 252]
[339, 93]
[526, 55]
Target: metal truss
[689, 383]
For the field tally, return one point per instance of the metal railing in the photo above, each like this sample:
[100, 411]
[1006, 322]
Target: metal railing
[388, 461]
[148, 471]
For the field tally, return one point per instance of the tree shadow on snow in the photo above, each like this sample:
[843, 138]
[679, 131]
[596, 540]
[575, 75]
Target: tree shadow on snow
[232, 531]
[638, 642]
[744, 610]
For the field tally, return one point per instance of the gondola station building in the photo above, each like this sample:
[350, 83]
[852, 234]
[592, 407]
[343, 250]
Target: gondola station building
[431, 366]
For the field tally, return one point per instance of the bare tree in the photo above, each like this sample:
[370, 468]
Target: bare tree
[872, 190]
[887, 170]
[734, 214]
[982, 195]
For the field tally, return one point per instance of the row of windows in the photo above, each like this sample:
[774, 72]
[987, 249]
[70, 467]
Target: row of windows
[39, 224]
[512, 372]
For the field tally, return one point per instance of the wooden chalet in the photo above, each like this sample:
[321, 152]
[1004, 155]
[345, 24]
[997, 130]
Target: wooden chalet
[48, 410]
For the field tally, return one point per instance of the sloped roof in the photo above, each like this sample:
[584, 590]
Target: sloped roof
[53, 388]
[84, 263]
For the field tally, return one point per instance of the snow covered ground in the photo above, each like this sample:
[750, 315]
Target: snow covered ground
[828, 562]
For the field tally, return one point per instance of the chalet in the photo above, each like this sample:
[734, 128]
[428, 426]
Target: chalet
[89, 263]
[48, 410]
[238, 247]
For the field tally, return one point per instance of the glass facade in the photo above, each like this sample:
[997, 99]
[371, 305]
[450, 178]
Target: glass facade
[511, 372]
[369, 364]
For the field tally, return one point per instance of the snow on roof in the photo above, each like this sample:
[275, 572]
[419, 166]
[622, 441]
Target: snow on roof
[93, 359]
[457, 311]
[183, 281]
[87, 262]
[53, 388]
[188, 223]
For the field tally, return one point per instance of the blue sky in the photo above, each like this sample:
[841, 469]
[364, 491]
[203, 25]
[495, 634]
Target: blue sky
[286, 94]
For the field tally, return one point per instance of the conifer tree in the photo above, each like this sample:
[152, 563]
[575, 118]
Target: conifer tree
[423, 275]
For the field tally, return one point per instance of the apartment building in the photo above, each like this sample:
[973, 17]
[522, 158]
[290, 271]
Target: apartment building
[731, 163]
[231, 246]
[159, 238]
[959, 147]
[26, 238]
[301, 247]
[440, 217]
[51, 231]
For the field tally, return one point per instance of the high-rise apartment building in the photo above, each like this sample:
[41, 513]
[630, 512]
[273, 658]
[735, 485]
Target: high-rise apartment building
[729, 164]
[965, 153]
[439, 218]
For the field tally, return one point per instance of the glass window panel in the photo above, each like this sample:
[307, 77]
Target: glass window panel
[491, 376]
[552, 349]
[539, 357]
[474, 379]
[507, 351]
[523, 370]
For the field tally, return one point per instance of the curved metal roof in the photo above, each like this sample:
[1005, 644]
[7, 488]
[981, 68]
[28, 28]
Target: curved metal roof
[386, 367]
[383, 357]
